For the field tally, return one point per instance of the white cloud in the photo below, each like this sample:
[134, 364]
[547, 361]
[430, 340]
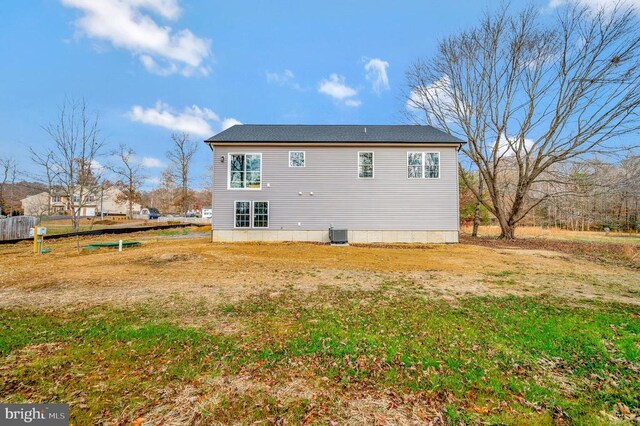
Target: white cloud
[433, 96]
[596, 4]
[160, 49]
[152, 163]
[194, 120]
[96, 166]
[284, 78]
[229, 122]
[508, 146]
[376, 72]
[336, 88]
[280, 77]
[154, 68]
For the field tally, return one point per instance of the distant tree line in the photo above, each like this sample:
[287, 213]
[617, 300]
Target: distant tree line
[581, 196]
[70, 165]
[595, 195]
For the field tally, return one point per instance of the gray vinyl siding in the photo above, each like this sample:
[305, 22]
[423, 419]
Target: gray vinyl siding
[389, 201]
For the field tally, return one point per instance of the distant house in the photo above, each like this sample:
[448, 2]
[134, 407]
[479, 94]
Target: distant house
[380, 183]
[108, 201]
[35, 205]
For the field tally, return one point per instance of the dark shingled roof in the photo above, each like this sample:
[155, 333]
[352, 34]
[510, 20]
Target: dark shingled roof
[257, 133]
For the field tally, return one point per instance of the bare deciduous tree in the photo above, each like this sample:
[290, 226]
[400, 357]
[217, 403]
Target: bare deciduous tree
[181, 157]
[8, 176]
[476, 213]
[47, 175]
[163, 196]
[527, 95]
[129, 177]
[76, 147]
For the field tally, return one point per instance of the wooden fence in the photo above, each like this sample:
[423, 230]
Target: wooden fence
[16, 227]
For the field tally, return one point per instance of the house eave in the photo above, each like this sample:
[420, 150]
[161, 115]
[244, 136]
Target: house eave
[335, 144]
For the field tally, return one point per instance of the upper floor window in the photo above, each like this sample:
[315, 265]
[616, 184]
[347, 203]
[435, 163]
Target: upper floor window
[296, 158]
[245, 171]
[365, 164]
[423, 165]
[76, 198]
[56, 198]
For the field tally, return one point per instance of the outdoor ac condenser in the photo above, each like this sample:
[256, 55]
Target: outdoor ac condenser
[338, 236]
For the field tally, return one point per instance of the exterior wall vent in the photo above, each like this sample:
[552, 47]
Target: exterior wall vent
[338, 236]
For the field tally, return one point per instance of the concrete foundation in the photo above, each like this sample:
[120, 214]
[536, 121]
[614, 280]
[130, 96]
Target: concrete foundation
[428, 237]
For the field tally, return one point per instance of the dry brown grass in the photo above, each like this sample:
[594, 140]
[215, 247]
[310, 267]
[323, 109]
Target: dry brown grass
[204, 228]
[165, 269]
[560, 234]
[255, 313]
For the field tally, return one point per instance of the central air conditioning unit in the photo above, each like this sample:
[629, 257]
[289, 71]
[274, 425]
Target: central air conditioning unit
[338, 236]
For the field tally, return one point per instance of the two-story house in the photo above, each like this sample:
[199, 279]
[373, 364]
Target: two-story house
[57, 203]
[382, 183]
[108, 200]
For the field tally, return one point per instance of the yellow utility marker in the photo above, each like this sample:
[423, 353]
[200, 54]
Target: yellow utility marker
[36, 237]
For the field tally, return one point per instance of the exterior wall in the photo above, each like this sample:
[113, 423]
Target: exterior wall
[35, 205]
[110, 205]
[388, 202]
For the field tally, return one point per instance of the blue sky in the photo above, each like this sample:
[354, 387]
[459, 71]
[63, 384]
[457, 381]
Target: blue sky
[152, 66]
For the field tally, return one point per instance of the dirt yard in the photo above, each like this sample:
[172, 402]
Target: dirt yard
[183, 331]
[195, 268]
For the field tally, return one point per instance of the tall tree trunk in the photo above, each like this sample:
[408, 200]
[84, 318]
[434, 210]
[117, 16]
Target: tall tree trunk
[508, 220]
[476, 214]
[131, 192]
[507, 230]
[508, 233]
[507, 217]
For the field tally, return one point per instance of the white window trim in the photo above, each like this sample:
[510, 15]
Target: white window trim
[406, 170]
[229, 171]
[424, 165]
[253, 213]
[304, 160]
[373, 164]
[235, 203]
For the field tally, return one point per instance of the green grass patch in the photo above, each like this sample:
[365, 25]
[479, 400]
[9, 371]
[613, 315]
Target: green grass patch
[499, 360]
[170, 232]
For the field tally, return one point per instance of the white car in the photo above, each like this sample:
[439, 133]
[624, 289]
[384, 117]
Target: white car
[207, 213]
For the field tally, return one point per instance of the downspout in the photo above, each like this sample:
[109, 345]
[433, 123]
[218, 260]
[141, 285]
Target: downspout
[458, 184]
[458, 189]
[213, 173]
